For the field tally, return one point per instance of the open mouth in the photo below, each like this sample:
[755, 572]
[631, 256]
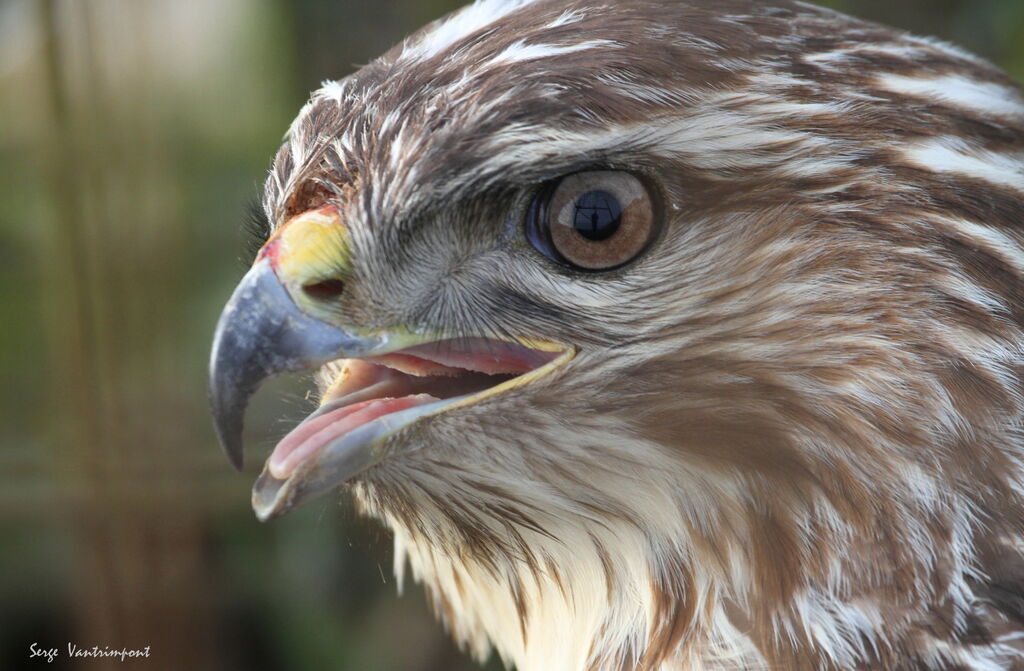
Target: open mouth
[375, 397]
[385, 381]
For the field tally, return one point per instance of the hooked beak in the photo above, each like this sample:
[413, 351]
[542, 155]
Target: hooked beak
[261, 333]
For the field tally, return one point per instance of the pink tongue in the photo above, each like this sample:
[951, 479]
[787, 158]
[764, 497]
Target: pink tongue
[309, 437]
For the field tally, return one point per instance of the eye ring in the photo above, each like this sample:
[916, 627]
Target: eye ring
[593, 221]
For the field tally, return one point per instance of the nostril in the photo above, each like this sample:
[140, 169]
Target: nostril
[324, 289]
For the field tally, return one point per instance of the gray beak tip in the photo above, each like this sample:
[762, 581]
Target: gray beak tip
[260, 333]
[228, 419]
[234, 451]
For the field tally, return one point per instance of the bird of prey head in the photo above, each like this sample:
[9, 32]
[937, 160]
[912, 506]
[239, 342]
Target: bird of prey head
[662, 335]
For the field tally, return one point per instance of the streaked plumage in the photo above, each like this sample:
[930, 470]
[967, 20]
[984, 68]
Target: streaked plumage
[792, 436]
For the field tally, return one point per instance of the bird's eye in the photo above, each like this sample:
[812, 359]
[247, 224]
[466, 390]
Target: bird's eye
[596, 220]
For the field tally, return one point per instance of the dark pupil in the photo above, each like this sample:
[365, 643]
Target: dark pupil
[597, 215]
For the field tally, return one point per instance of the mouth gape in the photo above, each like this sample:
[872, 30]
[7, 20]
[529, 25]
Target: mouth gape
[446, 373]
[387, 381]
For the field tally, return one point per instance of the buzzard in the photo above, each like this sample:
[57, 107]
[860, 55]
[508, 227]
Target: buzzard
[662, 335]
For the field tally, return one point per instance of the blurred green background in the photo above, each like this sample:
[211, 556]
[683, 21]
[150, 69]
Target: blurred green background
[132, 135]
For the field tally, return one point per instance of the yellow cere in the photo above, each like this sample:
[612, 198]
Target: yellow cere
[312, 247]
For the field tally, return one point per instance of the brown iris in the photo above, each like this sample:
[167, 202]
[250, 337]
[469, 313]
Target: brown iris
[595, 220]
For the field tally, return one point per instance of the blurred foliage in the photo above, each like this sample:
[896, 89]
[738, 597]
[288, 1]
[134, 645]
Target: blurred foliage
[991, 28]
[134, 133]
